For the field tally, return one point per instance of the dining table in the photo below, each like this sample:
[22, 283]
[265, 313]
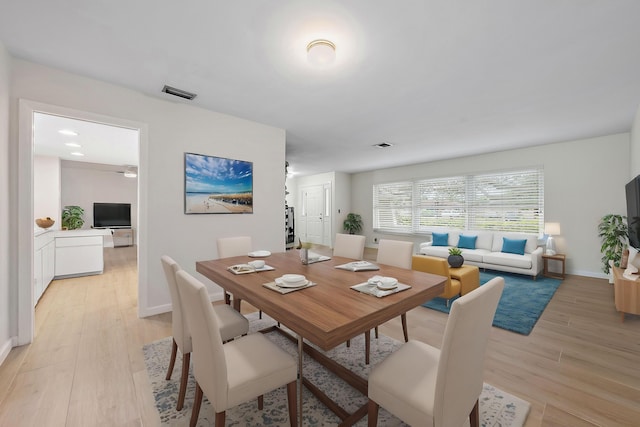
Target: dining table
[327, 314]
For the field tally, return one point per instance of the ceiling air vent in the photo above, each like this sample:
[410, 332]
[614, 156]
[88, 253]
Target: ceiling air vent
[383, 145]
[178, 92]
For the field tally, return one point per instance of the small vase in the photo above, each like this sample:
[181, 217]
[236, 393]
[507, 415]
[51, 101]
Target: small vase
[455, 261]
[304, 256]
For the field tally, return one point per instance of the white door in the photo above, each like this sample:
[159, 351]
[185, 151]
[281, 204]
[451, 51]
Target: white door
[313, 214]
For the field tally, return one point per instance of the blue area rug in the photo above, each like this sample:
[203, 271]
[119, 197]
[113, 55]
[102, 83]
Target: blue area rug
[523, 300]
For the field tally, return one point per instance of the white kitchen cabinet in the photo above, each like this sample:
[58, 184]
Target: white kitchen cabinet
[43, 263]
[78, 254]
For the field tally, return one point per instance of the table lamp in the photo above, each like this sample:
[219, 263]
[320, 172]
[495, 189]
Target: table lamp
[551, 229]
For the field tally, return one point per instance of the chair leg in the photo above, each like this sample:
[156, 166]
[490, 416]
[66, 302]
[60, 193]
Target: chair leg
[292, 401]
[376, 329]
[372, 414]
[186, 358]
[348, 343]
[403, 318]
[197, 402]
[172, 362]
[227, 298]
[261, 402]
[260, 314]
[474, 416]
[220, 418]
[367, 346]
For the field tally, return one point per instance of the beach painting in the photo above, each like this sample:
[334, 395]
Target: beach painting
[217, 185]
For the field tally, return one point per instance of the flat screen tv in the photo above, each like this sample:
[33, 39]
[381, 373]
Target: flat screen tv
[113, 215]
[633, 211]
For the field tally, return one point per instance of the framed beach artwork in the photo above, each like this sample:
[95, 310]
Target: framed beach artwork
[217, 185]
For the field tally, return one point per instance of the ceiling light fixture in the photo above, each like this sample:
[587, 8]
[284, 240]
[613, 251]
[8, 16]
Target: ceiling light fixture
[130, 174]
[321, 52]
[72, 144]
[68, 132]
[77, 153]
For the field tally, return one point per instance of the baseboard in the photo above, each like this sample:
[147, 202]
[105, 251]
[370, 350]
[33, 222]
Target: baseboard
[6, 348]
[165, 308]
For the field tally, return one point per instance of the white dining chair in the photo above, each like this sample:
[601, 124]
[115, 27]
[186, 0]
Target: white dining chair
[423, 385]
[349, 246]
[230, 247]
[238, 371]
[232, 324]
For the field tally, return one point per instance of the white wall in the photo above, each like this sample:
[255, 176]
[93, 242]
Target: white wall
[82, 187]
[7, 311]
[634, 153]
[171, 129]
[584, 180]
[46, 189]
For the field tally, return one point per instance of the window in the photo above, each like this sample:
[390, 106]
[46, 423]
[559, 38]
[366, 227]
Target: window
[506, 201]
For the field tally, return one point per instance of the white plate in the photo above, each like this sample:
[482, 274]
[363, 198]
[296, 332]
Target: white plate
[384, 283]
[293, 278]
[284, 284]
[259, 254]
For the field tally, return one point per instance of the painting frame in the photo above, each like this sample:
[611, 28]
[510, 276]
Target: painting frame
[217, 185]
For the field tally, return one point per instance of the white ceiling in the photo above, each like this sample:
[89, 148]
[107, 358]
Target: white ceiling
[438, 79]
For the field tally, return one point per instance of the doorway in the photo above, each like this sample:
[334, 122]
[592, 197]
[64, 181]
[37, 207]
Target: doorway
[315, 216]
[26, 134]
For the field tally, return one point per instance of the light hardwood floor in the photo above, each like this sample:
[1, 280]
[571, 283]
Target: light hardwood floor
[579, 367]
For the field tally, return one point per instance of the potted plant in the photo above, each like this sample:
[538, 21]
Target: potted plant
[352, 223]
[455, 258]
[72, 217]
[614, 233]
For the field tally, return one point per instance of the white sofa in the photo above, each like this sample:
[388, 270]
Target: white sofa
[488, 252]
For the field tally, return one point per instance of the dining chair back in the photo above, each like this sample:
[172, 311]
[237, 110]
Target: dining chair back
[395, 252]
[349, 246]
[231, 324]
[235, 372]
[233, 246]
[443, 385]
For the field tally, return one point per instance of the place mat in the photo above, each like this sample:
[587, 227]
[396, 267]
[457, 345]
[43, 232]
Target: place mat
[246, 268]
[358, 266]
[319, 258]
[274, 287]
[368, 288]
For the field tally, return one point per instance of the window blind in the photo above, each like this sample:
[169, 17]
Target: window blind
[392, 207]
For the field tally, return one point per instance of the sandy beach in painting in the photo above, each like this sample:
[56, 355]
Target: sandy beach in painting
[201, 203]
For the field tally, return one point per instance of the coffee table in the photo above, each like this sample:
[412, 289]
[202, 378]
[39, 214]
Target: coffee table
[327, 314]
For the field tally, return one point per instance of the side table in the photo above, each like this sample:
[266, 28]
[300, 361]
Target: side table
[557, 257]
[626, 293]
[469, 277]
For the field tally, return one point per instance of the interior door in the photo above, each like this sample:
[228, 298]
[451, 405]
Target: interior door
[313, 213]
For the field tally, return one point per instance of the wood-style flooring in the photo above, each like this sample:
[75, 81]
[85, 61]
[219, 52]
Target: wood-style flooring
[579, 367]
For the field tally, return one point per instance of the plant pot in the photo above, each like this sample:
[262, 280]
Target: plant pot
[455, 261]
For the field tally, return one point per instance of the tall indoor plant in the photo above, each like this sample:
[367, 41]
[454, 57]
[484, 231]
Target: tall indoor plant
[352, 223]
[72, 217]
[614, 233]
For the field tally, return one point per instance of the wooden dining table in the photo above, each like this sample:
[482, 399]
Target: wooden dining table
[327, 314]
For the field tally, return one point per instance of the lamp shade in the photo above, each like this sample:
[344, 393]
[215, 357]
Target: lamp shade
[552, 228]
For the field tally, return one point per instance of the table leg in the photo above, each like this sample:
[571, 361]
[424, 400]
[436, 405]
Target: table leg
[300, 355]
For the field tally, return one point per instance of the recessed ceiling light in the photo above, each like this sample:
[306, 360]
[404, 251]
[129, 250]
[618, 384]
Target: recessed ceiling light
[321, 52]
[383, 145]
[130, 174]
[68, 132]
[77, 153]
[72, 144]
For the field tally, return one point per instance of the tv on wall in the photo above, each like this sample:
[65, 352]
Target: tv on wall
[633, 211]
[112, 215]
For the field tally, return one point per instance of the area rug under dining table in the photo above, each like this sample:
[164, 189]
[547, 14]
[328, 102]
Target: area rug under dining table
[497, 408]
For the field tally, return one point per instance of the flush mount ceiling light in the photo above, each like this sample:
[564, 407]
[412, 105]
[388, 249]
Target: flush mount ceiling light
[68, 132]
[77, 153]
[321, 52]
[130, 174]
[73, 144]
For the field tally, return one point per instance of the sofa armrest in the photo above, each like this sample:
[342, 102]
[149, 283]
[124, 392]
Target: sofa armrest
[536, 260]
[425, 245]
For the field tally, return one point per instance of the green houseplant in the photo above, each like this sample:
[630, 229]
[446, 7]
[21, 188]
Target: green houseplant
[72, 217]
[614, 234]
[352, 223]
[455, 258]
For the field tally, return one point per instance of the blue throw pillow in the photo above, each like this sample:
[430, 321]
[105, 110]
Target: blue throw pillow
[440, 239]
[513, 246]
[467, 242]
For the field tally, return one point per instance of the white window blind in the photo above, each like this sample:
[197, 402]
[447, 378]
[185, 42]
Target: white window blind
[506, 201]
[440, 203]
[392, 207]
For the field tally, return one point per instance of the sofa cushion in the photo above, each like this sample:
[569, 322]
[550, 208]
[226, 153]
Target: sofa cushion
[474, 255]
[513, 246]
[508, 260]
[531, 245]
[439, 251]
[467, 242]
[440, 239]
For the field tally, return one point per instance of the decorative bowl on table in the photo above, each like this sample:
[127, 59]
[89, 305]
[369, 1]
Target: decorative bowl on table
[44, 222]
